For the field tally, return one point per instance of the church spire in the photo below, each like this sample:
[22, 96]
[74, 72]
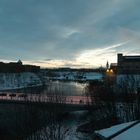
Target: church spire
[19, 62]
[107, 65]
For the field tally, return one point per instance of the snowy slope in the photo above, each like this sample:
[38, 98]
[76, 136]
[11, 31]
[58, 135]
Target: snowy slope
[83, 76]
[18, 80]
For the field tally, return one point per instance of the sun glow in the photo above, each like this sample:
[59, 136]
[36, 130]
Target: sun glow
[85, 59]
[98, 57]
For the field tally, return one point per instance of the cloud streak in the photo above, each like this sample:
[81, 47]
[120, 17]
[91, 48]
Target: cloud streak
[68, 33]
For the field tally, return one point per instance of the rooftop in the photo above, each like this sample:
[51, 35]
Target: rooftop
[124, 131]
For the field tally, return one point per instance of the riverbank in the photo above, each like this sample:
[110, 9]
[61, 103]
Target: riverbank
[15, 81]
[20, 122]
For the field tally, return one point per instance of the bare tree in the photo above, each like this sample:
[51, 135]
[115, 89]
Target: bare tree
[54, 127]
[103, 102]
[127, 90]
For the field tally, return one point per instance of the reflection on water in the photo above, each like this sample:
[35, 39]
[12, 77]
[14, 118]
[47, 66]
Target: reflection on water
[15, 121]
[66, 88]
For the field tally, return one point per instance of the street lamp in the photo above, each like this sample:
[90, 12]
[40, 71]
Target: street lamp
[109, 72]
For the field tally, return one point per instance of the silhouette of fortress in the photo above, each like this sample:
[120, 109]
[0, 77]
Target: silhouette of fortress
[17, 67]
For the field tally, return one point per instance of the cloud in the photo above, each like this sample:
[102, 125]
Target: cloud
[97, 57]
[87, 59]
[65, 31]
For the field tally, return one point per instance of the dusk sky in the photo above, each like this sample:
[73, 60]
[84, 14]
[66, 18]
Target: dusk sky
[68, 33]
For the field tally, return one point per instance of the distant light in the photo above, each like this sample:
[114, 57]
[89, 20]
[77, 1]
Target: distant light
[107, 70]
[111, 70]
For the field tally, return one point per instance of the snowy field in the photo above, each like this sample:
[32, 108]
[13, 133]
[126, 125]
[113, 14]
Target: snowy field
[82, 76]
[18, 80]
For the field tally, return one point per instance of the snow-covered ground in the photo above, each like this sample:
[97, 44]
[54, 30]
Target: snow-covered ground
[112, 130]
[18, 80]
[73, 135]
[131, 134]
[128, 131]
[82, 76]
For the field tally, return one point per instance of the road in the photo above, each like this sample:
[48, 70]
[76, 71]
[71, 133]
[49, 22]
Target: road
[45, 98]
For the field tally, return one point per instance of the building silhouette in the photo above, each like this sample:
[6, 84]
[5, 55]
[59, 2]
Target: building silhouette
[16, 67]
[128, 64]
